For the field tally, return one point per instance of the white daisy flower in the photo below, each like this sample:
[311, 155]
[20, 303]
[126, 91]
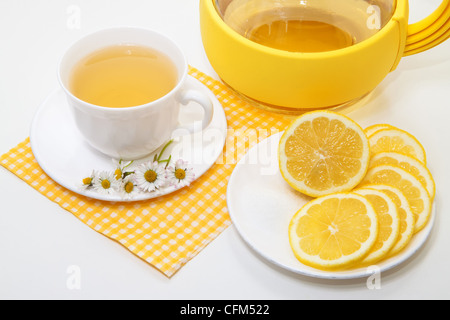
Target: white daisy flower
[120, 166]
[180, 175]
[105, 183]
[128, 187]
[150, 176]
[88, 182]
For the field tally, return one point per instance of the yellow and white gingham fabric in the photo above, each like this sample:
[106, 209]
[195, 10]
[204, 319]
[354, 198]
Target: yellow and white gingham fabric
[170, 230]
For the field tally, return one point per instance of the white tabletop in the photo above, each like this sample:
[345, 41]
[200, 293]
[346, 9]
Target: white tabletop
[40, 241]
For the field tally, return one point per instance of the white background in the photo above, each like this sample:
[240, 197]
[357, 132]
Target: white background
[39, 240]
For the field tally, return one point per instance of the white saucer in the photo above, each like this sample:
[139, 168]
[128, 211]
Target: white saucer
[63, 154]
[261, 205]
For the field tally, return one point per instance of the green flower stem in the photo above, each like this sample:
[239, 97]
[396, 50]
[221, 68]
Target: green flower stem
[162, 151]
[131, 162]
[167, 161]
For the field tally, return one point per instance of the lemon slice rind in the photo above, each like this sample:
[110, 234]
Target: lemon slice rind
[405, 183]
[388, 218]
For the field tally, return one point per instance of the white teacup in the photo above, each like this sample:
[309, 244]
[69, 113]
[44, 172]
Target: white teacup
[133, 132]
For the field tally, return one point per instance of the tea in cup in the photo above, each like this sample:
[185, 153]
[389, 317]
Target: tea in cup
[125, 87]
[123, 76]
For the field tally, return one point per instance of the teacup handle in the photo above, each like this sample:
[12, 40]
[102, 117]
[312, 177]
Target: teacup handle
[429, 32]
[204, 101]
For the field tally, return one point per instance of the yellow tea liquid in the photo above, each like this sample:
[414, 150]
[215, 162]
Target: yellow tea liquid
[301, 36]
[304, 26]
[123, 76]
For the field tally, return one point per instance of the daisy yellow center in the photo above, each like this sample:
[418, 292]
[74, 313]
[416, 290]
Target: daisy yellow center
[106, 184]
[87, 181]
[118, 173]
[180, 174]
[150, 176]
[129, 186]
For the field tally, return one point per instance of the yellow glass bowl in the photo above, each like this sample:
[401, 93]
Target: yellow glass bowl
[299, 82]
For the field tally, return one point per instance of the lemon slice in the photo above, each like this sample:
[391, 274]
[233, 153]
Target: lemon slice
[418, 197]
[323, 152]
[413, 166]
[388, 224]
[333, 231]
[397, 140]
[407, 222]
[376, 127]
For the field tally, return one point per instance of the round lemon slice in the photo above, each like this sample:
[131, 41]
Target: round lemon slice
[406, 216]
[413, 166]
[323, 152]
[334, 231]
[418, 197]
[376, 127]
[388, 224]
[397, 140]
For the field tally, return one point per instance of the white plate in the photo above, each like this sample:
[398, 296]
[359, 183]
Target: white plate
[261, 205]
[63, 154]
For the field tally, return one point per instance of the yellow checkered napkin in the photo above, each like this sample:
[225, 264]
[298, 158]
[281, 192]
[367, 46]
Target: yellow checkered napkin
[170, 230]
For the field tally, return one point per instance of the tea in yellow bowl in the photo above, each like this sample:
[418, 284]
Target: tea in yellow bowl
[265, 49]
